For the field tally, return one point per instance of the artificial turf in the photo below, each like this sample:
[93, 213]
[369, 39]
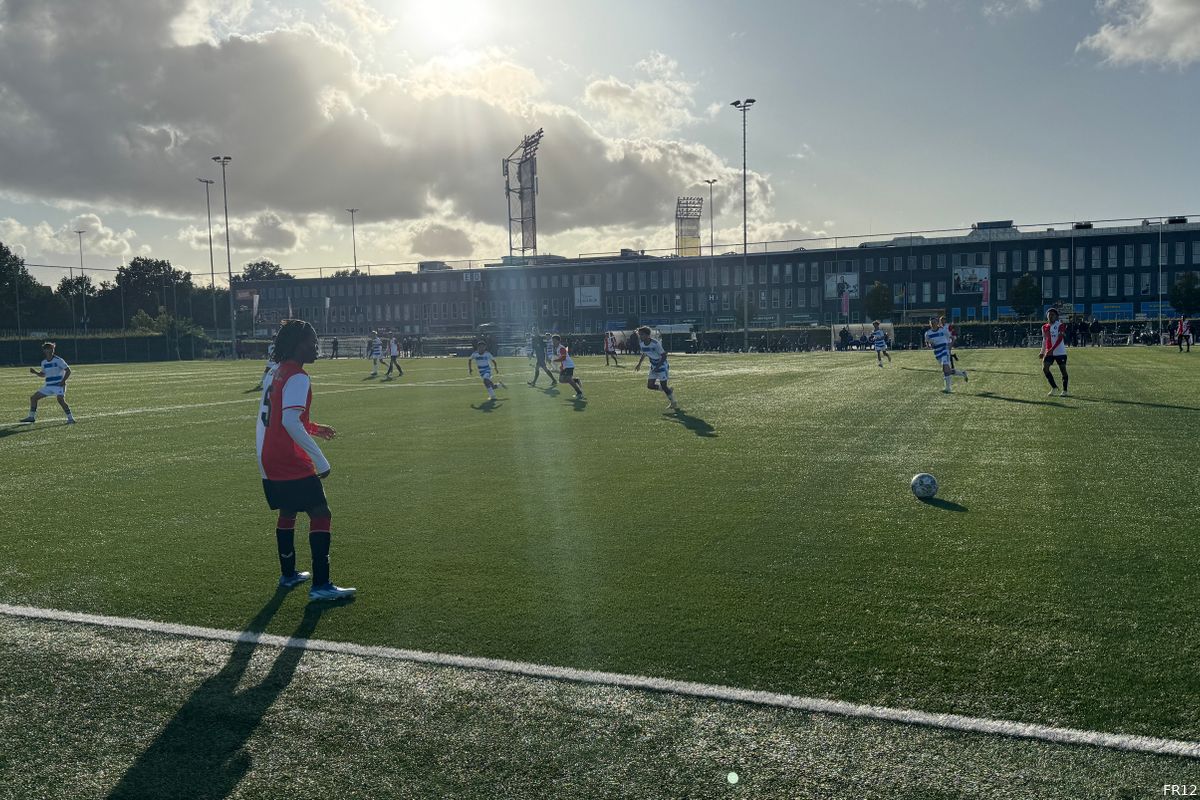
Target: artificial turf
[763, 538]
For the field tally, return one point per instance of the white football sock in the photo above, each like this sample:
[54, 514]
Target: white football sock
[948, 380]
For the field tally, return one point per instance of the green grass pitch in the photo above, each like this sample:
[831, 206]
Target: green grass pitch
[763, 538]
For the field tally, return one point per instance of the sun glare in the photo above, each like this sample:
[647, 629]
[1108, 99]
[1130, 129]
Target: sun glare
[449, 22]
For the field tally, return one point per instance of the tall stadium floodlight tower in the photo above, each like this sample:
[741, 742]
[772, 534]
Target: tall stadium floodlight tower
[687, 225]
[524, 160]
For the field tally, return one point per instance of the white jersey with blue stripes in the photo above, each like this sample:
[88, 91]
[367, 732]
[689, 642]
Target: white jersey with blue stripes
[939, 340]
[655, 353]
[55, 368]
[376, 348]
[483, 363]
[879, 339]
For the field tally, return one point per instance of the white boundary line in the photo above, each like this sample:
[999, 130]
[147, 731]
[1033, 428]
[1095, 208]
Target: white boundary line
[952, 722]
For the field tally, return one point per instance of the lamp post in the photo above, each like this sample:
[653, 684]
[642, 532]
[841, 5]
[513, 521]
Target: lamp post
[83, 282]
[224, 162]
[212, 271]
[711, 251]
[744, 106]
[354, 252]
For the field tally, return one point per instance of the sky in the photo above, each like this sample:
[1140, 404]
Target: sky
[872, 116]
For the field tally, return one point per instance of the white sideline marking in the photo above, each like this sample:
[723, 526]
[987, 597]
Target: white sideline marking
[953, 722]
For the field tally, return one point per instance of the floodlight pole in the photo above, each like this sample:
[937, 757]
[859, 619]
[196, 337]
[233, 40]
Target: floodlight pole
[224, 161]
[353, 238]
[212, 272]
[744, 106]
[711, 251]
[83, 284]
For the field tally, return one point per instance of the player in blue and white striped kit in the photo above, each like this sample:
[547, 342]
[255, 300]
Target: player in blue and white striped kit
[938, 337]
[660, 370]
[56, 372]
[879, 342]
[376, 353]
[485, 362]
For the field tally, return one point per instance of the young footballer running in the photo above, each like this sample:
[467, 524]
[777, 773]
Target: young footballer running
[539, 351]
[56, 372]
[610, 348]
[485, 362]
[879, 341]
[566, 367]
[291, 463]
[1054, 351]
[375, 353]
[938, 337]
[660, 370]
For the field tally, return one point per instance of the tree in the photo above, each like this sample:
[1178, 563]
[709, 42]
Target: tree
[150, 284]
[19, 289]
[1025, 296]
[348, 273]
[878, 301]
[1184, 294]
[263, 270]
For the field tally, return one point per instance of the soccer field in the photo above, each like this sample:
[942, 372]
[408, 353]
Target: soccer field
[763, 538]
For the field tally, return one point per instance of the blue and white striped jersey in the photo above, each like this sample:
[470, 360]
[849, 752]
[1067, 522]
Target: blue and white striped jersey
[376, 348]
[55, 368]
[879, 339]
[939, 340]
[483, 362]
[655, 353]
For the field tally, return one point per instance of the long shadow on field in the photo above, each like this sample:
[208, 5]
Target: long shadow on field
[487, 406]
[200, 754]
[976, 369]
[693, 424]
[945, 505]
[1133, 403]
[991, 396]
[15, 429]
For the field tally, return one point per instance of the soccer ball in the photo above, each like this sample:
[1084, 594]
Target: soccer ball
[924, 485]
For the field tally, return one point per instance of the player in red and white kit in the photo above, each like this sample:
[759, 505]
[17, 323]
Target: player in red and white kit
[610, 348]
[1054, 350]
[292, 464]
[566, 367]
[1183, 333]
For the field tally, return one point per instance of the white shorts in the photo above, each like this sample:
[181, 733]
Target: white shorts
[53, 391]
[662, 373]
[486, 376]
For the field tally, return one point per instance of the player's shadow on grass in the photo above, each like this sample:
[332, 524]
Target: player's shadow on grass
[12, 430]
[1021, 400]
[694, 424]
[1132, 403]
[578, 404]
[487, 406]
[200, 753]
[975, 369]
[945, 505]
[252, 391]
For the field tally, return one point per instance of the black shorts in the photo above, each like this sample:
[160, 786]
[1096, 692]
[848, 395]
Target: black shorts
[297, 495]
[566, 374]
[1048, 360]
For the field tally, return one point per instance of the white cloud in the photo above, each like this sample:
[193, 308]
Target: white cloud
[44, 239]
[1165, 32]
[994, 9]
[655, 105]
[263, 233]
[363, 16]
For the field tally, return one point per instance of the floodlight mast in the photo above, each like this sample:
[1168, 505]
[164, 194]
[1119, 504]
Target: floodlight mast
[523, 157]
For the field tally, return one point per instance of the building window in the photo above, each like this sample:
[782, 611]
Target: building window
[1002, 261]
[737, 275]
[1048, 259]
[774, 298]
[912, 262]
[1145, 255]
[814, 298]
[1016, 261]
[1033, 260]
[787, 298]
[814, 273]
[641, 281]
[653, 279]
[620, 281]
[1080, 257]
[724, 301]
[1128, 255]
[774, 273]
[1002, 289]
[653, 304]
[762, 273]
[941, 260]
[1129, 284]
[724, 276]
[1112, 285]
[788, 276]
[1080, 286]
[1196, 252]
[958, 259]
[691, 301]
[1047, 288]
[687, 278]
[1064, 286]
[883, 265]
[941, 291]
[926, 261]
[1064, 258]
[553, 281]
[801, 297]
[1180, 252]
[1096, 286]
[926, 292]
[1145, 287]
[608, 282]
